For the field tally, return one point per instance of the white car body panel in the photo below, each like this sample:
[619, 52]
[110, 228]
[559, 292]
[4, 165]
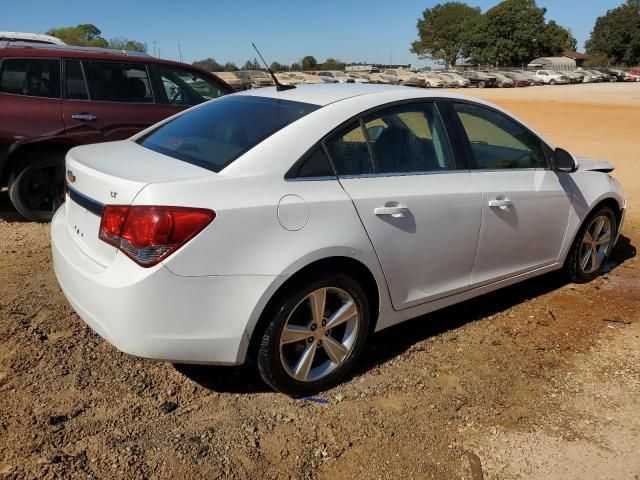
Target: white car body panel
[201, 304]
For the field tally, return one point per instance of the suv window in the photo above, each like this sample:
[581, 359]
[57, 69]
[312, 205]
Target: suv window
[498, 142]
[216, 133]
[31, 77]
[405, 139]
[184, 87]
[118, 82]
[75, 86]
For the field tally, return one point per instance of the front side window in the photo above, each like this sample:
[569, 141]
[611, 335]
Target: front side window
[215, 134]
[183, 87]
[498, 142]
[31, 77]
[118, 82]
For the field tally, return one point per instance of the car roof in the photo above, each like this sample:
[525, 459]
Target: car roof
[325, 93]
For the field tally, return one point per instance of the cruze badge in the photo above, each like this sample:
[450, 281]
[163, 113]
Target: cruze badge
[70, 176]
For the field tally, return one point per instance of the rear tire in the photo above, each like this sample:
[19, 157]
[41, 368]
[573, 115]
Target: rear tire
[552, 82]
[481, 84]
[36, 186]
[294, 334]
[592, 246]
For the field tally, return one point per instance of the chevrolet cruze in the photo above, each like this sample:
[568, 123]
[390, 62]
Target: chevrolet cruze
[284, 227]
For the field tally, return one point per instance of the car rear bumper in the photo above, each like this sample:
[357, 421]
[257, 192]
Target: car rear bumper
[154, 313]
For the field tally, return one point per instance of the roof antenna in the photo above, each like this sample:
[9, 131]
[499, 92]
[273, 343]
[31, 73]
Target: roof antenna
[279, 86]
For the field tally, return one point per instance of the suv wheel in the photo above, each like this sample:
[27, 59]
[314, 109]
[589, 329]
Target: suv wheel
[36, 187]
[481, 84]
[315, 336]
[552, 82]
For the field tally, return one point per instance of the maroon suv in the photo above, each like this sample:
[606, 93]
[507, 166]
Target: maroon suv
[55, 97]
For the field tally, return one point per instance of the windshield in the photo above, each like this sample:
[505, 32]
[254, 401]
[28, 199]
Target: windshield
[214, 135]
[339, 74]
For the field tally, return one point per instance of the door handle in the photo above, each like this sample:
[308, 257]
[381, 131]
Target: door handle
[397, 211]
[84, 117]
[502, 204]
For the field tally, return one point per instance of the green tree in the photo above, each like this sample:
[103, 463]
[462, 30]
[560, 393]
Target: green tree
[556, 39]
[278, 67]
[445, 32]
[83, 35]
[252, 65]
[230, 67]
[617, 34]
[309, 63]
[208, 64]
[333, 64]
[122, 43]
[295, 67]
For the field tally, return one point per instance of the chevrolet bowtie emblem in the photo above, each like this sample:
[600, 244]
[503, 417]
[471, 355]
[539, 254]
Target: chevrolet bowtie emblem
[70, 176]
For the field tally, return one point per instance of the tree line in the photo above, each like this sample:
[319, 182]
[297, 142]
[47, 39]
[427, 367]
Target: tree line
[307, 63]
[88, 35]
[514, 32]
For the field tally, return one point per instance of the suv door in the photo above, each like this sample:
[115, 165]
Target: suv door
[526, 205]
[181, 88]
[420, 210]
[105, 101]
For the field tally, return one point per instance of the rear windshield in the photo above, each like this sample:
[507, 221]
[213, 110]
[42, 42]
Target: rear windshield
[214, 135]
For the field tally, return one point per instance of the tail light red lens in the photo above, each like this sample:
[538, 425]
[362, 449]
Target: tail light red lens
[149, 234]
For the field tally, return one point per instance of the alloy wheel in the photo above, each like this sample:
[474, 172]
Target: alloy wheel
[319, 334]
[595, 244]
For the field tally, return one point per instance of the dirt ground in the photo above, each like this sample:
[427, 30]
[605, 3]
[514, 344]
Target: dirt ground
[539, 381]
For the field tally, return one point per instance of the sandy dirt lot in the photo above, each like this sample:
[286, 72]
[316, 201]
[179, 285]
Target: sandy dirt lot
[538, 381]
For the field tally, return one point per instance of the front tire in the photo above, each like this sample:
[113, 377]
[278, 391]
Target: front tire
[315, 335]
[592, 246]
[36, 187]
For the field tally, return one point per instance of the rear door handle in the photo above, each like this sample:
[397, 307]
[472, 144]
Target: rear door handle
[501, 204]
[84, 117]
[397, 211]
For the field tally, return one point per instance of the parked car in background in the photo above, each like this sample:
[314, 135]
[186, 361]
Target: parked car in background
[431, 80]
[459, 80]
[614, 74]
[412, 201]
[37, 38]
[551, 77]
[592, 77]
[335, 76]
[634, 74]
[290, 79]
[573, 76]
[479, 79]
[399, 76]
[54, 97]
[358, 77]
[376, 77]
[254, 79]
[502, 81]
[519, 79]
[231, 79]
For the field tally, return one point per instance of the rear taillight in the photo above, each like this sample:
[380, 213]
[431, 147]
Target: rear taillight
[149, 234]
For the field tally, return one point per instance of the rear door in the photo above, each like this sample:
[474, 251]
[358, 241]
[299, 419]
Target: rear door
[525, 204]
[421, 211]
[106, 101]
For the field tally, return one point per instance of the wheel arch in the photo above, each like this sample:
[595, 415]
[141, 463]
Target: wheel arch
[348, 265]
[20, 153]
[610, 202]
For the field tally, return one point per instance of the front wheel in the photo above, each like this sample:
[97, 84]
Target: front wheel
[592, 246]
[315, 336]
[37, 188]
[481, 84]
[552, 82]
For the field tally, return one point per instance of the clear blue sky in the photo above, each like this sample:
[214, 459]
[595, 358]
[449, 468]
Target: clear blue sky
[284, 30]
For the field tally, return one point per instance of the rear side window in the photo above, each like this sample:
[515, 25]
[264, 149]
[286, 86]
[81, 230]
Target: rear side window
[31, 77]
[215, 134]
[183, 87]
[118, 82]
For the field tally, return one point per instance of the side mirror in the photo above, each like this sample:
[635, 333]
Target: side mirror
[563, 161]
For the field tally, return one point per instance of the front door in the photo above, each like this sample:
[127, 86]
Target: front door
[525, 205]
[420, 211]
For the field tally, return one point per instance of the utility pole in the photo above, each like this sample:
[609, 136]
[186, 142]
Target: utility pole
[159, 54]
[154, 49]
[180, 52]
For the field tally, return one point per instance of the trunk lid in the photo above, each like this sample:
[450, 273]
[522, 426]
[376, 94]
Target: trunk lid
[112, 173]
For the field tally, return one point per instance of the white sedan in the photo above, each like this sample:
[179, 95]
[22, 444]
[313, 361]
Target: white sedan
[287, 226]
